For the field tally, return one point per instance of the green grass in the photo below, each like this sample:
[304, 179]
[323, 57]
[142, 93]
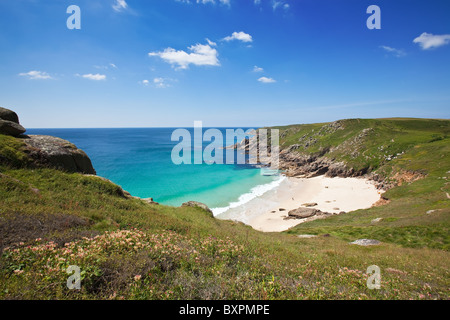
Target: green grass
[405, 219]
[385, 138]
[183, 253]
[12, 152]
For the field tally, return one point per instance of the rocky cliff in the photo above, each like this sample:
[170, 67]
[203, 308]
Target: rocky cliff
[44, 151]
[383, 150]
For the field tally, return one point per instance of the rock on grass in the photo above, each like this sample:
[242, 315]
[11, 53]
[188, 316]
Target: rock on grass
[197, 204]
[366, 242]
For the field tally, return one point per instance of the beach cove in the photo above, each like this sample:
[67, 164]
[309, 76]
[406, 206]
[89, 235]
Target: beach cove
[268, 211]
[136, 159]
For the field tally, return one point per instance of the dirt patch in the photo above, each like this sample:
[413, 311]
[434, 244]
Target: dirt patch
[395, 271]
[383, 201]
[19, 227]
[407, 177]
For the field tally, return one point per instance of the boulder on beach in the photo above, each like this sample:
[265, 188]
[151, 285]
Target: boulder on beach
[301, 213]
[199, 205]
[309, 204]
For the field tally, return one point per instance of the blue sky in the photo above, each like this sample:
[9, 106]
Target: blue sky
[147, 63]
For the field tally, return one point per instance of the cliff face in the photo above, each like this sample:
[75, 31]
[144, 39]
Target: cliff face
[38, 150]
[320, 150]
[296, 164]
[297, 160]
[384, 150]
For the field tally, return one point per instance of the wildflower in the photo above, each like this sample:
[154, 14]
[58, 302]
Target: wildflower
[137, 277]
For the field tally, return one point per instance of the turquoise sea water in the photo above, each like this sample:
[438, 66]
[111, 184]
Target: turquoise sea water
[139, 160]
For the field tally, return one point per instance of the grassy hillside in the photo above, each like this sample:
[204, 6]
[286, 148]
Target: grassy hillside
[399, 150]
[128, 249]
[368, 144]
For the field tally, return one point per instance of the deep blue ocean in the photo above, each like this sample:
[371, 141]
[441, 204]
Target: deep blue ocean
[139, 160]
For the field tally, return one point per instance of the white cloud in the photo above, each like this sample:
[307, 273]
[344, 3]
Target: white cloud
[161, 82]
[120, 5]
[257, 69]
[158, 82]
[257, 2]
[224, 2]
[280, 4]
[211, 43]
[266, 80]
[430, 41]
[241, 36]
[96, 77]
[36, 75]
[106, 67]
[396, 52]
[200, 55]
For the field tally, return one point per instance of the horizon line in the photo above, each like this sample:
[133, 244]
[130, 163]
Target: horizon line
[229, 127]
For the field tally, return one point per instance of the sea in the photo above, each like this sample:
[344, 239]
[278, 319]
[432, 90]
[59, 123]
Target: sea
[140, 161]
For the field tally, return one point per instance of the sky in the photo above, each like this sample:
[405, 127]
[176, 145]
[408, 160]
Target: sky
[236, 63]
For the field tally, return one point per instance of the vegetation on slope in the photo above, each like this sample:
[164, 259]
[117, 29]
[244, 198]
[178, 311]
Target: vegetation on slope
[369, 144]
[128, 249]
[401, 151]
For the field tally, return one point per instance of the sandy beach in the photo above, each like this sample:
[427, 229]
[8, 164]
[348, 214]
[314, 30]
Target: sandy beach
[334, 195]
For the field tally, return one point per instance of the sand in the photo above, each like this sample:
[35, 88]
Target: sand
[332, 195]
